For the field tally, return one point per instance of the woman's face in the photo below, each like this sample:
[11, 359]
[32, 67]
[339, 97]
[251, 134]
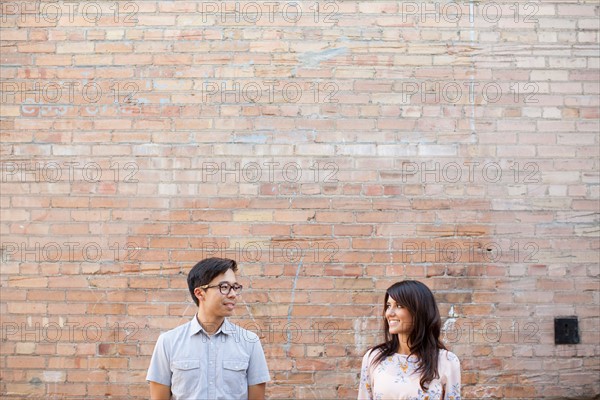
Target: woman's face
[399, 319]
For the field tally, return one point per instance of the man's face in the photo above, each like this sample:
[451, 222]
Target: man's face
[215, 304]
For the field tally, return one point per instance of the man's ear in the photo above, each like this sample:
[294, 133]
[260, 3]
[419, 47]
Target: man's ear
[199, 293]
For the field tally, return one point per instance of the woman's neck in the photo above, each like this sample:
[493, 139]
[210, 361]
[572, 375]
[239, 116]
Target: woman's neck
[403, 347]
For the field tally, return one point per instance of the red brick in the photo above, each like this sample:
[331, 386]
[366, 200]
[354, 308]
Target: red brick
[351, 220]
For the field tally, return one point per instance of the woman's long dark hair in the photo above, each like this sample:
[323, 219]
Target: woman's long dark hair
[424, 339]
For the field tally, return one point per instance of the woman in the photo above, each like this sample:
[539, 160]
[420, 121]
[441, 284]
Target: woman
[412, 363]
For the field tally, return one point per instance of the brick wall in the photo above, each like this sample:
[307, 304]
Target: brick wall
[332, 148]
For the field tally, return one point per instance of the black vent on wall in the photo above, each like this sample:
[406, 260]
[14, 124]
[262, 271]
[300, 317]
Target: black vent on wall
[566, 330]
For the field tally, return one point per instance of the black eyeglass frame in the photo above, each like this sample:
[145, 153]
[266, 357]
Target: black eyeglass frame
[237, 287]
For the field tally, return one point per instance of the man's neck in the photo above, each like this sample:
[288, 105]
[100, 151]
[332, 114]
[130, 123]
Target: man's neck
[210, 324]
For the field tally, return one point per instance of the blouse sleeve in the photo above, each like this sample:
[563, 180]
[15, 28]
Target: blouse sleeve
[452, 388]
[364, 387]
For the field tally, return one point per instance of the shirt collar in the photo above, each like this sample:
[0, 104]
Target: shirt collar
[226, 327]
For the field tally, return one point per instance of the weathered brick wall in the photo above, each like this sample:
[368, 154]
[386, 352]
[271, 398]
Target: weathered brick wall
[332, 148]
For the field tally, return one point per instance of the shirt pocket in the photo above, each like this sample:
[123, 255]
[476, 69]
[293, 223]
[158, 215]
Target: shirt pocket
[235, 377]
[186, 375]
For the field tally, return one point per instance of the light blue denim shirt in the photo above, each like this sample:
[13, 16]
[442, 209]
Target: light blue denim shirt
[201, 367]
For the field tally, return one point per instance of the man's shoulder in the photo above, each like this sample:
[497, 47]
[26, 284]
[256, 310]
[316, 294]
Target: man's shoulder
[176, 332]
[235, 329]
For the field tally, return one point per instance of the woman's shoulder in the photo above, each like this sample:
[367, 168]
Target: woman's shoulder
[446, 356]
[371, 353]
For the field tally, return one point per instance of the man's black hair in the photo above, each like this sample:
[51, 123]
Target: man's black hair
[206, 270]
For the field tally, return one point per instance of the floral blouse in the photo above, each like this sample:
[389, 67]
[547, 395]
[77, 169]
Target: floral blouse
[395, 379]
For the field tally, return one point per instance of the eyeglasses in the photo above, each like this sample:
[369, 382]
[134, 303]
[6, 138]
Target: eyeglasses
[225, 288]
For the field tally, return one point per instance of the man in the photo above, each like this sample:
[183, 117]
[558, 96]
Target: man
[209, 358]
